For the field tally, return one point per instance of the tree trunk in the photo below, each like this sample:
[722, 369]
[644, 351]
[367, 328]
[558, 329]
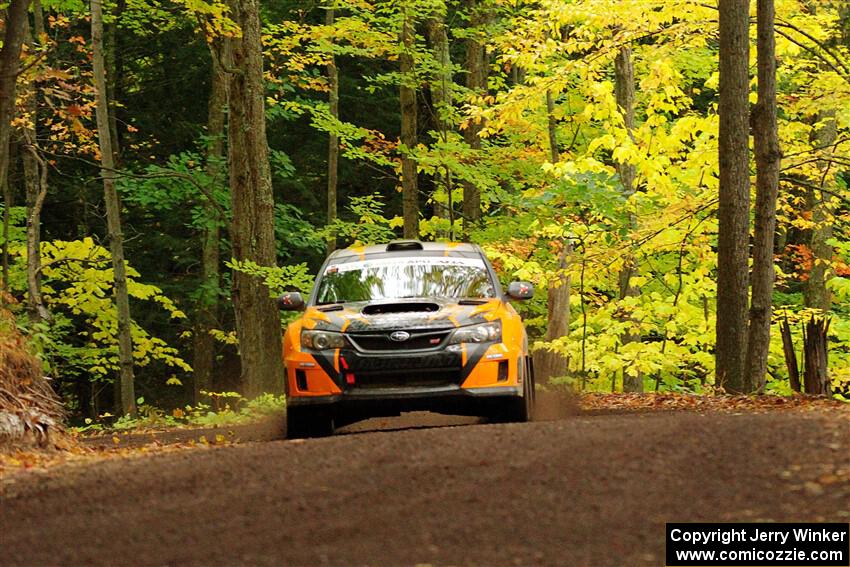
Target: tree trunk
[790, 356]
[815, 363]
[10, 55]
[815, 293]
[734, 201]
[8, 203]
[333, 139]
[127, 402]
[35, 171]
[35, 182]
[441, 99]
[113, 78]
[624, 84]
[252, 199]
[476, 81]
[407, 98]
[768, 154]
[441, 85]
[624, 91]
[38, 19]
[552, 127]
[208, 302]
[547, 364]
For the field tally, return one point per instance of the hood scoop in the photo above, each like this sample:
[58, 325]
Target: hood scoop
[403, 307]
[472, 301]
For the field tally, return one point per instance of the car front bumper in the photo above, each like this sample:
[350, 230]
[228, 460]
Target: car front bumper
[465, 380]
[355, 405]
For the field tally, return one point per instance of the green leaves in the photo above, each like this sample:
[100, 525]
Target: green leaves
[370, 225]
[78, 291]
[277, 278]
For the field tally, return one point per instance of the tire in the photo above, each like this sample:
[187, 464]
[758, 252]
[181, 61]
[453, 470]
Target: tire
[308, 422]
[530, 386]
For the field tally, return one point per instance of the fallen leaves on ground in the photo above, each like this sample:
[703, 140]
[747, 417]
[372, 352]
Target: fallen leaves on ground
[23, 461]
[127, 444]
[817, 477]
[724, 403]
[814, 477]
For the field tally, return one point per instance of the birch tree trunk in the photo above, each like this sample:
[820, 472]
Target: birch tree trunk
[127, 399]
[734, 201]
[407, 99]
[768, 154]
[252, 199]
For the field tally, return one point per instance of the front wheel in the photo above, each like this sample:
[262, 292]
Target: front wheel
[304, 422]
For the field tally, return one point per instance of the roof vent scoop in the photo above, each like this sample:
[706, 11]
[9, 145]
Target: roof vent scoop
[399, 245]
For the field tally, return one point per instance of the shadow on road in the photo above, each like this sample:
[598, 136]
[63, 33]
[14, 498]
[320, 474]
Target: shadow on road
[550, 406]
[412, 420]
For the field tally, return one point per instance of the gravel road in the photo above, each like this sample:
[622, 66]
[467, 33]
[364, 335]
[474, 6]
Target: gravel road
[421, 490]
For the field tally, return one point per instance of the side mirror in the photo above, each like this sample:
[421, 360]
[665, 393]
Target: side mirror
[520, 290]
[290, 301]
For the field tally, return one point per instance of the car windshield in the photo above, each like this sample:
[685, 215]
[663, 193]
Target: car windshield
[396, 278]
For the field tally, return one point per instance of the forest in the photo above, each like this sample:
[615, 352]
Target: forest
[672, 177]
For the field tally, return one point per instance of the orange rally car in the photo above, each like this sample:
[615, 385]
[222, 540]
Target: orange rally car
[405, 326]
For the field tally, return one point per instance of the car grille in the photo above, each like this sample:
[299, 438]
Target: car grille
[411, 379]
[419, 340]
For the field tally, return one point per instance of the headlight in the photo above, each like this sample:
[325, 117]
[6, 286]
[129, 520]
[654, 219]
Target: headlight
[484, 333]
[321, 340]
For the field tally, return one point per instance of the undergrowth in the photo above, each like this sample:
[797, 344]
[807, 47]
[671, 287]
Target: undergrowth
[222, 408]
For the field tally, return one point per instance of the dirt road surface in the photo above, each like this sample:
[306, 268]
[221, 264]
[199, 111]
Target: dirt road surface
[585, 490]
